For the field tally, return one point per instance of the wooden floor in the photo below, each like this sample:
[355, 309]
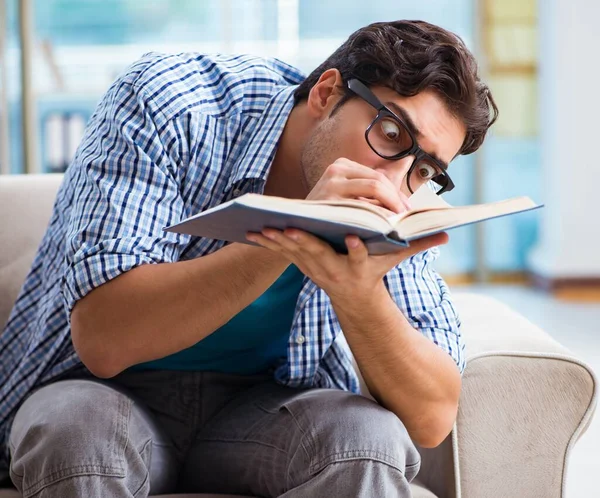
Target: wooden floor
[579, 294]
[572, 293]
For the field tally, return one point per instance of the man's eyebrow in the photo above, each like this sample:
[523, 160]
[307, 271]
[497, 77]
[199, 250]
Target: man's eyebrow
[413, 128]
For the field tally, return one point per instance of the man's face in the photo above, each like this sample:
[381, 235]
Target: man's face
[343, 135]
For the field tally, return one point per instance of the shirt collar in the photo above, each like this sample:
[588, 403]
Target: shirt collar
[256, 160]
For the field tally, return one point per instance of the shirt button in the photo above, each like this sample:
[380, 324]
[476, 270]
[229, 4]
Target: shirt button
[237, 192]
[300, 339]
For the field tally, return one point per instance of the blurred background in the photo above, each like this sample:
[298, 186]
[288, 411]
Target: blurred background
[61, 55]
[57, 57]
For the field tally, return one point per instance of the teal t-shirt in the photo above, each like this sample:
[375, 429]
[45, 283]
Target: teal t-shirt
[251, 342]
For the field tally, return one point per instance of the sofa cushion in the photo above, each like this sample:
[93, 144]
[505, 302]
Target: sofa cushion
[26, 205]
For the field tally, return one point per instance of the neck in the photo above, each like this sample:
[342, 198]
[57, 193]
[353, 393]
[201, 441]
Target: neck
[286, 178]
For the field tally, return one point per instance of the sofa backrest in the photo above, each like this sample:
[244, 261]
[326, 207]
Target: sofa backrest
[25, 207]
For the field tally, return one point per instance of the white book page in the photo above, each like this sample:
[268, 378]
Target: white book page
[345, 212]
[423, 199]
[434, 219]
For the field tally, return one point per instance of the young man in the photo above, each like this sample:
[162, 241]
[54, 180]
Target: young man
[137, 361]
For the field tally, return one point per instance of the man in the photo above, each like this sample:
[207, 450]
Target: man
[137, 361]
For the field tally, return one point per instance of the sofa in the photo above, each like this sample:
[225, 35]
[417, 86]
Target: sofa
[525, 400]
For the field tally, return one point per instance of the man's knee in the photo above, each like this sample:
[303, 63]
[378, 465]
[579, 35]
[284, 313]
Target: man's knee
[70, 428]
[349, 427]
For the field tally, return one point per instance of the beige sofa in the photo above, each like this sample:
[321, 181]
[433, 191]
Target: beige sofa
[525, 401]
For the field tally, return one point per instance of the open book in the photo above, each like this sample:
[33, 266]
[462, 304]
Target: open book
[382, 231]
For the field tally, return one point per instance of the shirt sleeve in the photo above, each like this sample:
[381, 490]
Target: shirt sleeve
[425, 299]
[124, 190]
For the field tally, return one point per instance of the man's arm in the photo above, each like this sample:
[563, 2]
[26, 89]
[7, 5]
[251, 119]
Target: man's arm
[128, 296]
[155, 310]
[405, 371]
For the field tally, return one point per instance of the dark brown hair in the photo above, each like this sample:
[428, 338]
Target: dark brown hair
[409, 57]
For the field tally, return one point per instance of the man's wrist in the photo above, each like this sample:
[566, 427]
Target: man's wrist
[255, 261]
[356, 302]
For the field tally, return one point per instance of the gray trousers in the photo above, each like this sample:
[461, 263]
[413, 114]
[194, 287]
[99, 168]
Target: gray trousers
[153, 432]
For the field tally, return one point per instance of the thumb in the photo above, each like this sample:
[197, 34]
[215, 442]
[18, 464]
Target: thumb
[425, 243]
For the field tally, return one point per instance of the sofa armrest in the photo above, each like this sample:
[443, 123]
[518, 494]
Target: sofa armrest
[525, 402]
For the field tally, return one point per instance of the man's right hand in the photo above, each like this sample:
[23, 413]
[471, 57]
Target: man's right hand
[345, 179]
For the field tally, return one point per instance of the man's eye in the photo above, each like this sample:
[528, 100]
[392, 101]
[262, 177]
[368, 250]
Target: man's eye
[391, 130]
[426, 171]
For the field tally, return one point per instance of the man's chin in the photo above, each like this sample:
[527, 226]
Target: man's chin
[309, 178]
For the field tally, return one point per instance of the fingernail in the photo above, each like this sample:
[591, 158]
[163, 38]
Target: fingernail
[353, 242]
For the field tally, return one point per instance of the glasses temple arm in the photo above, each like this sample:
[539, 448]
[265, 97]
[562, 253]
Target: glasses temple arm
[362, 90]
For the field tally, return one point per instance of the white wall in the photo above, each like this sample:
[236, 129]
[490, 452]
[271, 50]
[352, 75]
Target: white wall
[569, 83]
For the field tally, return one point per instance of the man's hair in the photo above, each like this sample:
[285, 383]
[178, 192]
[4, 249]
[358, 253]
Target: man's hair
[409, 57]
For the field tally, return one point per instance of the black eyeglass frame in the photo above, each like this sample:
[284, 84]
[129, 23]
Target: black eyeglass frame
[363, 91]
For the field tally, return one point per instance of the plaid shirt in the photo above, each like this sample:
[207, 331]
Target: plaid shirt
[173, 136]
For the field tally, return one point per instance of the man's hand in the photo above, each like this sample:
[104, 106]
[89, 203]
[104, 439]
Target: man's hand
[346, 278]
[345, 179]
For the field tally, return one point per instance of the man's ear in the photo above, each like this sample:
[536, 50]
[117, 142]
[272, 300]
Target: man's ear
[325, 94]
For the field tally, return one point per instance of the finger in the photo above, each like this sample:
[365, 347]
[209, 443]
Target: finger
[405, 200]
[374, 202]
[342, 170]
[353, 170]
[277, 236]
[375, 189]
[263, 241]
[425, 243]
[357, 250]
[310, 244]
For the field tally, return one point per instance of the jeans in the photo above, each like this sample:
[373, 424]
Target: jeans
[153, 432]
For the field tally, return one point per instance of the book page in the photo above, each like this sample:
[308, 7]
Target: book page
[343, 211]
[423, 199]
[269, 200]
[430, 220]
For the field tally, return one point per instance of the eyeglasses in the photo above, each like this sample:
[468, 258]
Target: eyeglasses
[390, 138]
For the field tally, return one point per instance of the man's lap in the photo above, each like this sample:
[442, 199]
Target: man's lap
[274, 438]
[249, 435]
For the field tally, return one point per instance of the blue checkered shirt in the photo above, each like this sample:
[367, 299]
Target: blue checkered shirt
[173, 136]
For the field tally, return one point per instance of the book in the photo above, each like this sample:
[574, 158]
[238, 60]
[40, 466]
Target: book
[381, 230]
